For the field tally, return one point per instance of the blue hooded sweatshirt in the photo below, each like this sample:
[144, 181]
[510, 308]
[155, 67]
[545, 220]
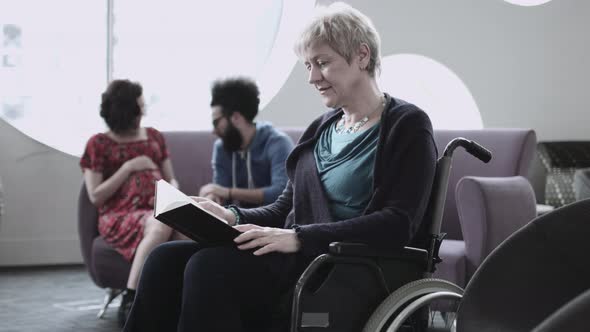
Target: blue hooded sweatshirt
[261, 166]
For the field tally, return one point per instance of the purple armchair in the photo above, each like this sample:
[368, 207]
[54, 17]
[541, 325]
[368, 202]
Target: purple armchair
[475, 224]
[485, 202]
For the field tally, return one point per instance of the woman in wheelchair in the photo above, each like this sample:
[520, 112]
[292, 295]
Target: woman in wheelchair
[361, 172]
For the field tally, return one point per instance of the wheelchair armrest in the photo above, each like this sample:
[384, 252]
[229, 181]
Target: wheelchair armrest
[363, 250]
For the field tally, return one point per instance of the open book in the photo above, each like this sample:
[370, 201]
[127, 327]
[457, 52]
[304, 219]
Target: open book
[180, 212]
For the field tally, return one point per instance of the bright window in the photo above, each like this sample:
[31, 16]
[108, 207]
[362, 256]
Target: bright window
[53, 59]
[52, 66]
[177, 54]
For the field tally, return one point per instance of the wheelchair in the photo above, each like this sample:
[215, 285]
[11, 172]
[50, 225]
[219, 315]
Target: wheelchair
[357, 288]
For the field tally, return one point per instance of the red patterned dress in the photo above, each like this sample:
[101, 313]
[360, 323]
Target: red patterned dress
[122, 217]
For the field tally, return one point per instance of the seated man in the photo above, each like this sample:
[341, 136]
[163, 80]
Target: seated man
[248, 158]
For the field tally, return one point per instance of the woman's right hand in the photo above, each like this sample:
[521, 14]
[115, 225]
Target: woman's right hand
[216, 209]
[140, 163]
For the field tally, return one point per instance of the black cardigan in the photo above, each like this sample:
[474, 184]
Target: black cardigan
[403, 174]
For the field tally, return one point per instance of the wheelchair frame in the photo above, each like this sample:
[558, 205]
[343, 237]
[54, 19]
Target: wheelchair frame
[327, 299]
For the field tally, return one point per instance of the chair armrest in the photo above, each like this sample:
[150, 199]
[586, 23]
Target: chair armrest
[363, 250]
[491, 209]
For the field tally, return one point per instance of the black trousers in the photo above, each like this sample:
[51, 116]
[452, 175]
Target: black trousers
[187, 287]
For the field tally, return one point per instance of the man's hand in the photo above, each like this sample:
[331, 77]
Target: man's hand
[214, 198]
[268, 239]
[214, 191]
[216, 209]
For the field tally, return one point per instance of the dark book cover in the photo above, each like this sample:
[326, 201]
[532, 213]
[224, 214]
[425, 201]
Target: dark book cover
[191, 220]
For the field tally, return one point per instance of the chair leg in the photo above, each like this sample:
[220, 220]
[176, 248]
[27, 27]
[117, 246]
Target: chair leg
[109, 297]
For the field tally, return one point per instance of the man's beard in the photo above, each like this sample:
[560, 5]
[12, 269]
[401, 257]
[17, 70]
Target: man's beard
[232, 139]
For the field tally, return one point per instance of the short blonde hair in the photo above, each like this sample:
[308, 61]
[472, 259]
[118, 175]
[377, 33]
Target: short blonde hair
[344, 29]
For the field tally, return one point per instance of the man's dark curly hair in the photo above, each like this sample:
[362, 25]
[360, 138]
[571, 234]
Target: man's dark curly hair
[236, 95]
[119, 106]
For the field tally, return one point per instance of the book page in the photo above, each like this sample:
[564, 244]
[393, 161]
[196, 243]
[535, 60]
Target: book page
[168, 197]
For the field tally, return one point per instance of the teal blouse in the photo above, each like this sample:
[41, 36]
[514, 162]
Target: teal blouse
[345, 166]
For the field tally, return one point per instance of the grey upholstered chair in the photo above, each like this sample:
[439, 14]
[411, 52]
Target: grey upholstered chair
[572, 317]
[531, 275]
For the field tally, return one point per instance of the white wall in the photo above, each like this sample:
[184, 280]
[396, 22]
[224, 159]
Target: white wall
[525, 66]
[41, 187]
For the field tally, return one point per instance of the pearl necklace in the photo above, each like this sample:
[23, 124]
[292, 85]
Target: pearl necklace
[357, 125]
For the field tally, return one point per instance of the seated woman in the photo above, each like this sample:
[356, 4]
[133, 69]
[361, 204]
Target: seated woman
[361, 172]
[120, 168]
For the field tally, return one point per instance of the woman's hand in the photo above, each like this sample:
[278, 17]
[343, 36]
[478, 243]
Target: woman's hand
[216, 209]
[140, 163]
[268, 239]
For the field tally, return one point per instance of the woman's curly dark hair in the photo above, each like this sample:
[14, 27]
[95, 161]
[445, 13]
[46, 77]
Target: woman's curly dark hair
[236, 95]
[119, 106]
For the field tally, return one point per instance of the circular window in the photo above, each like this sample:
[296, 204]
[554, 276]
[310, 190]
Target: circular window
[433, 87]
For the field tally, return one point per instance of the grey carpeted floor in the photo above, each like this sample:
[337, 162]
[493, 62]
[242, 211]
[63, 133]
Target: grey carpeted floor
[60, 299]
[52, 299]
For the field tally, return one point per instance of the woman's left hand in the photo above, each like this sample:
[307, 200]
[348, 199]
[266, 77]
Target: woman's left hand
[268, 239]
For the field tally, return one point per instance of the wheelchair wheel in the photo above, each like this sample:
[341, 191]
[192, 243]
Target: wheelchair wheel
[420, 306]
